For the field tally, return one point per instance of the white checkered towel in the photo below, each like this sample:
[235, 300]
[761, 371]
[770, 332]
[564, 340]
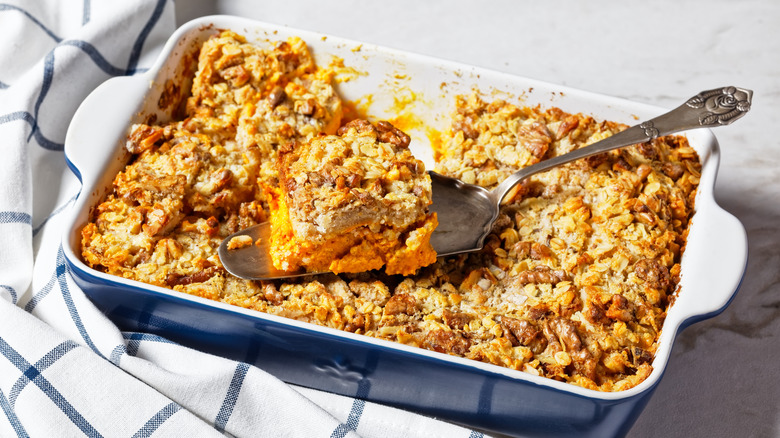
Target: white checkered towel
[65, 370]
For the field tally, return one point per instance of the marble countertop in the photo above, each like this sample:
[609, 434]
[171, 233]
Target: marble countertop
[720, 380]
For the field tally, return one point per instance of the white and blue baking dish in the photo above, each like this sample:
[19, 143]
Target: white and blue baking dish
[464, 391]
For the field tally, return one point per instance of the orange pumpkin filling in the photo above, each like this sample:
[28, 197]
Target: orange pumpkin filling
[352, 202]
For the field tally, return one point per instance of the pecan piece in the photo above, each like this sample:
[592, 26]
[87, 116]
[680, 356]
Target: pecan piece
[387, 133]
[641, 356]
[353, 180]
[654, 273]
[673, 170]
[446, 342]
[523, 249]
[520, 331]
[564, 330]
[176, 279]
[358, 323]
[236, 75]
[648, 150]
[597, 160]
[143, 137]
[542, 274]
[466, 126]
[621, 165]
[155, 222]
[568, 125]
[306, 107]
[536, 139]
[360, 126]
[595, 313]
[272, 294]
[620, 309]
[401, 303]
[540, 251]
[220, 179]
[276, 96]
[455, 320]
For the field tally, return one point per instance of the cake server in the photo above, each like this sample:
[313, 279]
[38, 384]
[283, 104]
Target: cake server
[467, 212]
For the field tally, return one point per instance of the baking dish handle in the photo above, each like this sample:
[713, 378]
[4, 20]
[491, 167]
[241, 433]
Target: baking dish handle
[721, 240]
[101, 121]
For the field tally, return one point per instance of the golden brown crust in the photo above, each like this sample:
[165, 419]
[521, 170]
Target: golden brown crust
[573, 284]
[354, 202]
[588, 253]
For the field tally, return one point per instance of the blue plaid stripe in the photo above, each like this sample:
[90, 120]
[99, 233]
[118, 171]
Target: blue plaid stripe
[48, 77]
[5, 7]
[56, 211]
[86, 12]
[56, 278]
[11, 291]
[475, 434]
[35, 373]
[353, 419]
[116, 354]
[60, 271]
[134, 342]
[8, 410]
[232, 395]
[97, 58]
[135, 336]
[41, 294]
[15, 217]
[30, 119]
[31, 373]
[135, 54]
[157, 420]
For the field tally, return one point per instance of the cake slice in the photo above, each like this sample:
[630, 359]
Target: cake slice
[352, 202]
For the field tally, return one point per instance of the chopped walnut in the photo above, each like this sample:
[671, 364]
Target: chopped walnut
[653, 272]
[542, 274]
[401, 304]
[455, 320]
[620, 309]
[390, 134]
[142, 138]
[520, 331]
[446, 342]
[176, 279]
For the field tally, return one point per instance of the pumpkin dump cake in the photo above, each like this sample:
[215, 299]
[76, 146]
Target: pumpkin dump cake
[352, 202]
[573, 283]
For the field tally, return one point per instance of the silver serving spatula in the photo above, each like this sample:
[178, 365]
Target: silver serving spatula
[467, 212]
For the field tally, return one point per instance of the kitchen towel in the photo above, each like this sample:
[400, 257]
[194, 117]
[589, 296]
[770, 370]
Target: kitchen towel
[65, 369]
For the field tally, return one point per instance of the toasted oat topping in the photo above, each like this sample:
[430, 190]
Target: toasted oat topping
[339, 182]
[352, 202]
[573, 284]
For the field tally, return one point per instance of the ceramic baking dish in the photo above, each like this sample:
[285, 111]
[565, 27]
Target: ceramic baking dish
[386, 82]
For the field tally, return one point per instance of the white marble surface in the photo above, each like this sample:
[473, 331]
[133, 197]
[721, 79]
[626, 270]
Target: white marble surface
[722, 377]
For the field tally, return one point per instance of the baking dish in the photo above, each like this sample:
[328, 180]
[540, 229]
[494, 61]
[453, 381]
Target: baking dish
[384, 83]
